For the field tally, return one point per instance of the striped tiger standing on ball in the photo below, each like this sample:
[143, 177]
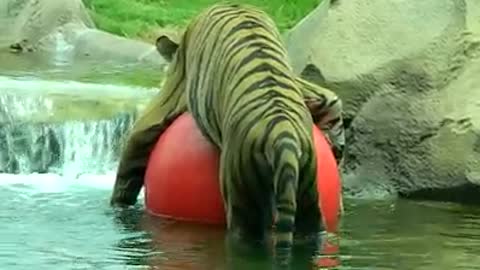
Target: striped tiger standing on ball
[230, 70]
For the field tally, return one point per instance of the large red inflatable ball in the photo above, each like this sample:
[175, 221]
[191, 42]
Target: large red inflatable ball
[181, 180]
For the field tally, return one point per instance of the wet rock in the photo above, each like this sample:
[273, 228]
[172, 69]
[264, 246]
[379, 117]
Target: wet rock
[407, 72]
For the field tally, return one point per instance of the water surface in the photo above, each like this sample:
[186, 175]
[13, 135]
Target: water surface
[50, 222]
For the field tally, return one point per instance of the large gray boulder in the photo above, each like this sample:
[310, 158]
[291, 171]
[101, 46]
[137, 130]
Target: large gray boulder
[97, 44]
[65, 27]
[27, 22]
[407, 72]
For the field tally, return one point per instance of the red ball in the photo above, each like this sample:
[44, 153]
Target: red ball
[181, 180]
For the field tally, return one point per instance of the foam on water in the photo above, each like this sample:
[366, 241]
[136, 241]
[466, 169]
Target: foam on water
[50, 182]
[30, 184]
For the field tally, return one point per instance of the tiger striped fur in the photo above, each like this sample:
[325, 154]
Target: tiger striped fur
[231, 72]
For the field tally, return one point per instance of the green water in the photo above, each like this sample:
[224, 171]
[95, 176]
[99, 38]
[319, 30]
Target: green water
[68, 224]
[50, 221]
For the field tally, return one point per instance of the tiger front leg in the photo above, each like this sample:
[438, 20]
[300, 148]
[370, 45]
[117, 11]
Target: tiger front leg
[326, 112]
[132, 166]
[143, 137]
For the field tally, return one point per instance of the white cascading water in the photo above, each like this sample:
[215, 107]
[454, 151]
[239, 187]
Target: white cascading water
[66, 149]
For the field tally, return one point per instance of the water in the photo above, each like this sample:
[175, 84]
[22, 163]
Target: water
[52, 222]
[60, 218]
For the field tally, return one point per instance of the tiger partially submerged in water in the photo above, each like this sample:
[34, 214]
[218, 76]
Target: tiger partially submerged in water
[231, 72]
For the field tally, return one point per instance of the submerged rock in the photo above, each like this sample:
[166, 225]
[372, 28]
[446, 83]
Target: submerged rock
[407, 72]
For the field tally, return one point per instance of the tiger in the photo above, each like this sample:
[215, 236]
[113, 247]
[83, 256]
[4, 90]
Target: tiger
[231, 72]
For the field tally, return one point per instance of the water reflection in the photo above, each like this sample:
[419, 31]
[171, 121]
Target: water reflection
[410, 235]
[384, 235]
[69, 224]
[165, 244]
[171, 245]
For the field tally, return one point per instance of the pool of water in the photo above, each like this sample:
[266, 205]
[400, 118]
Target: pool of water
[49, 222]
[63, 220]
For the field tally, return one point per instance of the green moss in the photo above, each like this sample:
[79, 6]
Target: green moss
[134, 18]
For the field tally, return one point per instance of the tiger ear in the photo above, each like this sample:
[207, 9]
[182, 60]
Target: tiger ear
[166, 47]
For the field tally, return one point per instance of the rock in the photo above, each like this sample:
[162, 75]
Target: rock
[473, 20]
[357, 44]
[53, 27]
[407, 75]
[96, 44]
[31, 21]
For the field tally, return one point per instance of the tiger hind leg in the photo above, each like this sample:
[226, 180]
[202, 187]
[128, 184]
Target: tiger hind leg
[308, 218]
[248, 207]
[249, 217]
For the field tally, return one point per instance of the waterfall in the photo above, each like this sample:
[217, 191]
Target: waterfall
[47, 127]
